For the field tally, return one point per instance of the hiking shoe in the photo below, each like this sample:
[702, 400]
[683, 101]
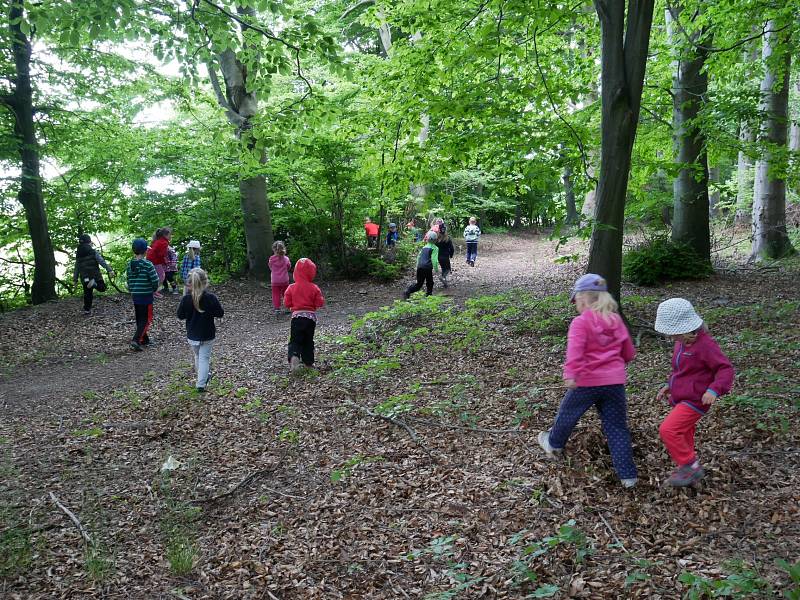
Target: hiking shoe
[136, 346]
[544, 442]
[686, 475]
[294, 364]
[629, 483]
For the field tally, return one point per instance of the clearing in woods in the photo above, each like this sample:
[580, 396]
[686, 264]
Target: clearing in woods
[407, 465]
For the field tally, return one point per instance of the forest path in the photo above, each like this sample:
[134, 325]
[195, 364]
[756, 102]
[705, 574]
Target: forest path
[50, 353]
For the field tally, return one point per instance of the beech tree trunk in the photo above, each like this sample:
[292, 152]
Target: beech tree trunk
[241, 105]
[713, 191]
[20, 103]
[623, 61]
[744, 175]
[569, 195]
[690, 188]
[770, 239]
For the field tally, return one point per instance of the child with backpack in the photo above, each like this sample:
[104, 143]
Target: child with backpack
[472, 234]
[303, 298]
[170, 271]
[199, 308]
[142, 284]
[700, 374]
[427, 263]
[279, 267]
[87, 267]
[191, 260]
[446, 251]
[598, 349]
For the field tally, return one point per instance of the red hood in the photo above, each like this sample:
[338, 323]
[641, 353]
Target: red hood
[305, 270]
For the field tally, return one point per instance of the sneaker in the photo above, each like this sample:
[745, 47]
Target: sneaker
[175, 291]
[277, 312]
[294, 364]
[201, 390]
[406, 295]
[91, 283]
[544, 442]
[629, 483]
[87, 311]
[209, 378]
[686, 475]
[136, 346]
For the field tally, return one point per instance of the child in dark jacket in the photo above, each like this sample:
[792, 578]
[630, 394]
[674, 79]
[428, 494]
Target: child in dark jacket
[598, 349]
[446, 252]
[303, 298]
[427, 263]
[142, 284]
[87, 267]
[700, 374]
[199, 308]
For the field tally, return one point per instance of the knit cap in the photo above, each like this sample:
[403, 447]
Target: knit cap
[677, 316]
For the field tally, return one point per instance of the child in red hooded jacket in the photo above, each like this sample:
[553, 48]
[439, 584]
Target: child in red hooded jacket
[700, 374]
[303, 298]
[598, 348]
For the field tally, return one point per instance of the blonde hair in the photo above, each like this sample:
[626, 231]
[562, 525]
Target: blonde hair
[197, 284]
[472, 220]
[279, 248]
[191, 253]
[601, 303]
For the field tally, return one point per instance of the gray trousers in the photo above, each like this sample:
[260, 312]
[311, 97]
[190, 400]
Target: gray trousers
[202, 361]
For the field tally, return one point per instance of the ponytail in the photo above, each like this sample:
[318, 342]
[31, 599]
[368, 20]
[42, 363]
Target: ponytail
[197, 284]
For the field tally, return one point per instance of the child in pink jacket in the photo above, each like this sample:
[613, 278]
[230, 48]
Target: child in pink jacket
[279, 265]
[700, 374]
[598, 348]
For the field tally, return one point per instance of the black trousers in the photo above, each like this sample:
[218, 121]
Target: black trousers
[301, 339]
[424, 276]
[88, 292]
[169, 279]
[144, 318]
[444, 265]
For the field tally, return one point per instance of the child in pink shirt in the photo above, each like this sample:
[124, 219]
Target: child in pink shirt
[598, 348]
[700, 374]
[279, 265]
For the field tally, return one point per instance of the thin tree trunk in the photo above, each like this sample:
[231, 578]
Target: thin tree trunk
[623, 61]
[744, 175]
[690, 188]
[770, 239]
[713, 191]
[569, 195]
[30, 194]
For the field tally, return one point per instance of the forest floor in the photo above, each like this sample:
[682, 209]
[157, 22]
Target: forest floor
[406, 465]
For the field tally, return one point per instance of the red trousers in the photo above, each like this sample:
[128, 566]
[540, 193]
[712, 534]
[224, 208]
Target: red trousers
[278, 290]
[677, 433]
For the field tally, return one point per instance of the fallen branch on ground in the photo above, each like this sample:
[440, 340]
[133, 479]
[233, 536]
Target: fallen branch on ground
[72, 516]
[393, 421]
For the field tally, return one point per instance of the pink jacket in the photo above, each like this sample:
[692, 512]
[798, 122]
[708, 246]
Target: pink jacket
[699, 368]
[279, 268]
[597, 350]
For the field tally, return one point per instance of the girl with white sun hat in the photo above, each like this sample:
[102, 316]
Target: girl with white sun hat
[700, 374]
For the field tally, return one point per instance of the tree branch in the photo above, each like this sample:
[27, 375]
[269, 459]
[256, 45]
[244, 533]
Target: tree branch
[245, 26]
[235, 117]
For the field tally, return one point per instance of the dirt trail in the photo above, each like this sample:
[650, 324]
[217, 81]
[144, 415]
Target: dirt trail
[71, 354]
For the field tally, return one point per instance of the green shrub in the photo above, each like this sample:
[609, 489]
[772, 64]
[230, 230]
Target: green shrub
[661, 259]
